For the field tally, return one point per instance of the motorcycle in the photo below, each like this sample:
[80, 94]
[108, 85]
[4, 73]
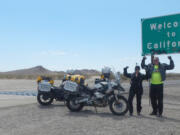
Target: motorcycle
[105, 93]
[47, 92]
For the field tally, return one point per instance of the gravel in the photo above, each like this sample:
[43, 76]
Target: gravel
[31, 118]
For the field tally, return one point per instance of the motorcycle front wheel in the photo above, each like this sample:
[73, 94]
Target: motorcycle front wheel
[73, 107]
[119, 107]
[44, 98]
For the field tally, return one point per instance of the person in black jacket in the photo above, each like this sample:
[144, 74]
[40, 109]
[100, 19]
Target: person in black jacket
[135, 88]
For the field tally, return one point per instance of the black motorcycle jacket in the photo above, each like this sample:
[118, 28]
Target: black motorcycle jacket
[136, 82]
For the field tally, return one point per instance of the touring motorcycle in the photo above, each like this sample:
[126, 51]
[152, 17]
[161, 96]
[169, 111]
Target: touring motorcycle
[106, 92]
[47, 92]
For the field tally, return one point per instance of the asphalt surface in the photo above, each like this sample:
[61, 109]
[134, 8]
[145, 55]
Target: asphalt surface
[27, 117]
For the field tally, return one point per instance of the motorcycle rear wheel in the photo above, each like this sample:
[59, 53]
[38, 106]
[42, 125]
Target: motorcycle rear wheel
[73, 107]
[45, 99]
[121, 103]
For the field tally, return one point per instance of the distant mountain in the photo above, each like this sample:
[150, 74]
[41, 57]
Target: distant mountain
[40, 70]
[87, 72]
[34, 72]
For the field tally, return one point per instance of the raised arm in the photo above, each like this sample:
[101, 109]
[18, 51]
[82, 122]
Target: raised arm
[143, 65]
[171, 65]
[126, 74]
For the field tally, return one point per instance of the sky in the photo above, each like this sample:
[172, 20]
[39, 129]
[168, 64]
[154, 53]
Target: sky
[77, 34]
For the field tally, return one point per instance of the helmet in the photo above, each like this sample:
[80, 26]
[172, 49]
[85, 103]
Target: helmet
[137, 68]
[39, 79]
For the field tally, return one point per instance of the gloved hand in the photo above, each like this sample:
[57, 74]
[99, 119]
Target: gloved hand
[169, 57]
[144, 57]
[126, 67]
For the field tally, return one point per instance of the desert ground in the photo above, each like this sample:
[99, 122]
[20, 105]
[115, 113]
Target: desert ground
[22, 115]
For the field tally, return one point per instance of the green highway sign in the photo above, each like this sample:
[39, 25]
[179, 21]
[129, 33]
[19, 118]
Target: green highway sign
[161, 35]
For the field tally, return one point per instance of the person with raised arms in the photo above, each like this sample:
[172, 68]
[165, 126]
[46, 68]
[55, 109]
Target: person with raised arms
[135, 88]
[156, 72]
